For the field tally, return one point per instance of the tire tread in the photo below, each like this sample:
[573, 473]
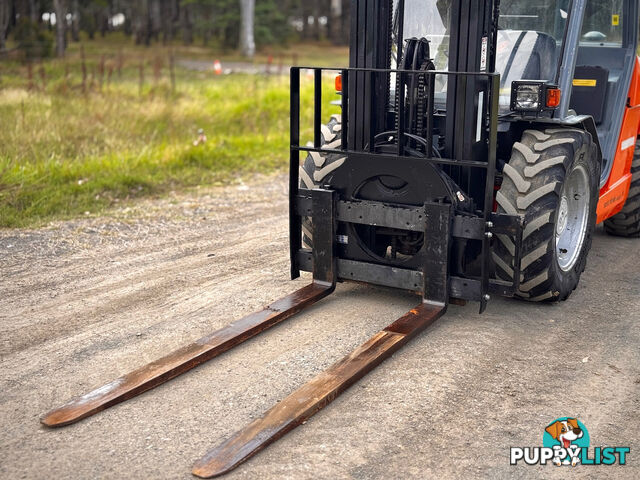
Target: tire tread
[531, 187]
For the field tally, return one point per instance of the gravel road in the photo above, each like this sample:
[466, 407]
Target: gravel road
[84, 301]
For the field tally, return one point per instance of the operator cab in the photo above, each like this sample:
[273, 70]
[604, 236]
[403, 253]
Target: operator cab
[529, 43]
[532, 43]
[604, 65]
[529, 40]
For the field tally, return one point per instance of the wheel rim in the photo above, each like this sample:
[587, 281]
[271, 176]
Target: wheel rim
[572, 218]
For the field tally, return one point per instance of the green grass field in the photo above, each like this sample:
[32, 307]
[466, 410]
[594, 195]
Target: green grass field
[64, 152]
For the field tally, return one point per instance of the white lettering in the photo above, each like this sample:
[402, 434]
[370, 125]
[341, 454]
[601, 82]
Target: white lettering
[546, 454]
[531, 455]
[516, 454]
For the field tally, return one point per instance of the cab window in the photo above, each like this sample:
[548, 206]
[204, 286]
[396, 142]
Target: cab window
[602, 23]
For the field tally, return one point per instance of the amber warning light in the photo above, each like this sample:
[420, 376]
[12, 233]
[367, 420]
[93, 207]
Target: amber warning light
[553, 97]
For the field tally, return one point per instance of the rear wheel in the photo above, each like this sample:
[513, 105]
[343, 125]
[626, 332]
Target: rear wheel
[318, 166]
[627, 222]
[551, 181]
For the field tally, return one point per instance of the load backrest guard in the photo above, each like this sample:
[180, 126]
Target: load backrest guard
[407, 158]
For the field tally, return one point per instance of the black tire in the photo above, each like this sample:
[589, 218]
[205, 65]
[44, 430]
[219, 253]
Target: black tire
[318, 166]
[627, 222]
[532, 187]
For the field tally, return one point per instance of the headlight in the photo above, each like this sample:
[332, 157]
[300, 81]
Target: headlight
[526, 96]
[533, 96]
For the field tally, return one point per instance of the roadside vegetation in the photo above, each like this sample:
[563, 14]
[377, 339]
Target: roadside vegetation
[74, 142]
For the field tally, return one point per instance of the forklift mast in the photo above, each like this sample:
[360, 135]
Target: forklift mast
[370, 47]
[415, 197]
[472, 46]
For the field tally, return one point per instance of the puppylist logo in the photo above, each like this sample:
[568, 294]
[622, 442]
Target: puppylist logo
[566, 442]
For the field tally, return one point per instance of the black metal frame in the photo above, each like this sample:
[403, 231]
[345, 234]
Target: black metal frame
[449, 207]
[438, 221]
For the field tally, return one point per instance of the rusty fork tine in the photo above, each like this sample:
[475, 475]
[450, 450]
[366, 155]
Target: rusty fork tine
[316, 394]
[184, 359]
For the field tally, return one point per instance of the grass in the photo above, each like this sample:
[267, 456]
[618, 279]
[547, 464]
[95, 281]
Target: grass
[64, 152]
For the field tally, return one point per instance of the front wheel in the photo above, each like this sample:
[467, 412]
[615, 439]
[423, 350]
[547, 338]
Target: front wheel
[551, 181]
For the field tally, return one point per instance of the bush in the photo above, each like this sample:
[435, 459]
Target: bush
[32, 40]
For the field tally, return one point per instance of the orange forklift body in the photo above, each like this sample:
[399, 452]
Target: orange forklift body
[613, 194]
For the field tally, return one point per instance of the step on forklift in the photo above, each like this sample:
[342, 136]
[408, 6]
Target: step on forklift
[478, 145]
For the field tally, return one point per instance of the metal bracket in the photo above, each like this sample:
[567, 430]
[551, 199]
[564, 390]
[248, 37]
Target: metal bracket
[513, 227]
[472, 228]
[381, 215]
[437, 248]
[324, 226]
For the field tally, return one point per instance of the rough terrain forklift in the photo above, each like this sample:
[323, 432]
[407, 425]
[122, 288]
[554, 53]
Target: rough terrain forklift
[478, 145]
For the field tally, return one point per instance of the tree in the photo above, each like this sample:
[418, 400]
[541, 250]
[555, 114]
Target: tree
[61, 19]
[34, 11]
[5, 17]
[141, 22]
[338, 22]
[316, 10]
[75, 21]
[345, 21]
[155, 18]
[186, 24]
[247, 18]
[305, 12]
[227, 24]
[169, 16]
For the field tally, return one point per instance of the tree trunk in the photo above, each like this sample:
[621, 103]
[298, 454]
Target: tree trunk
[61, 20]
[247, 18]
[75, 21]
[103, 20]
[170, 13]
[91, 16]
[142, 23]
[345, 22]
[20, 9]
[306, 14]
[155, 18]
[334, 22]
[128, 22]
[147, 22]
[315, 32]
[34, 11]
[186, 25]
[5, 18]
[206, 20]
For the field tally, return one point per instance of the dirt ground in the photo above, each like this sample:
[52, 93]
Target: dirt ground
[84, 301]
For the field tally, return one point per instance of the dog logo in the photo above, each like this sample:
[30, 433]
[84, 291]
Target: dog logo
[566, 442]
[566, 433]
